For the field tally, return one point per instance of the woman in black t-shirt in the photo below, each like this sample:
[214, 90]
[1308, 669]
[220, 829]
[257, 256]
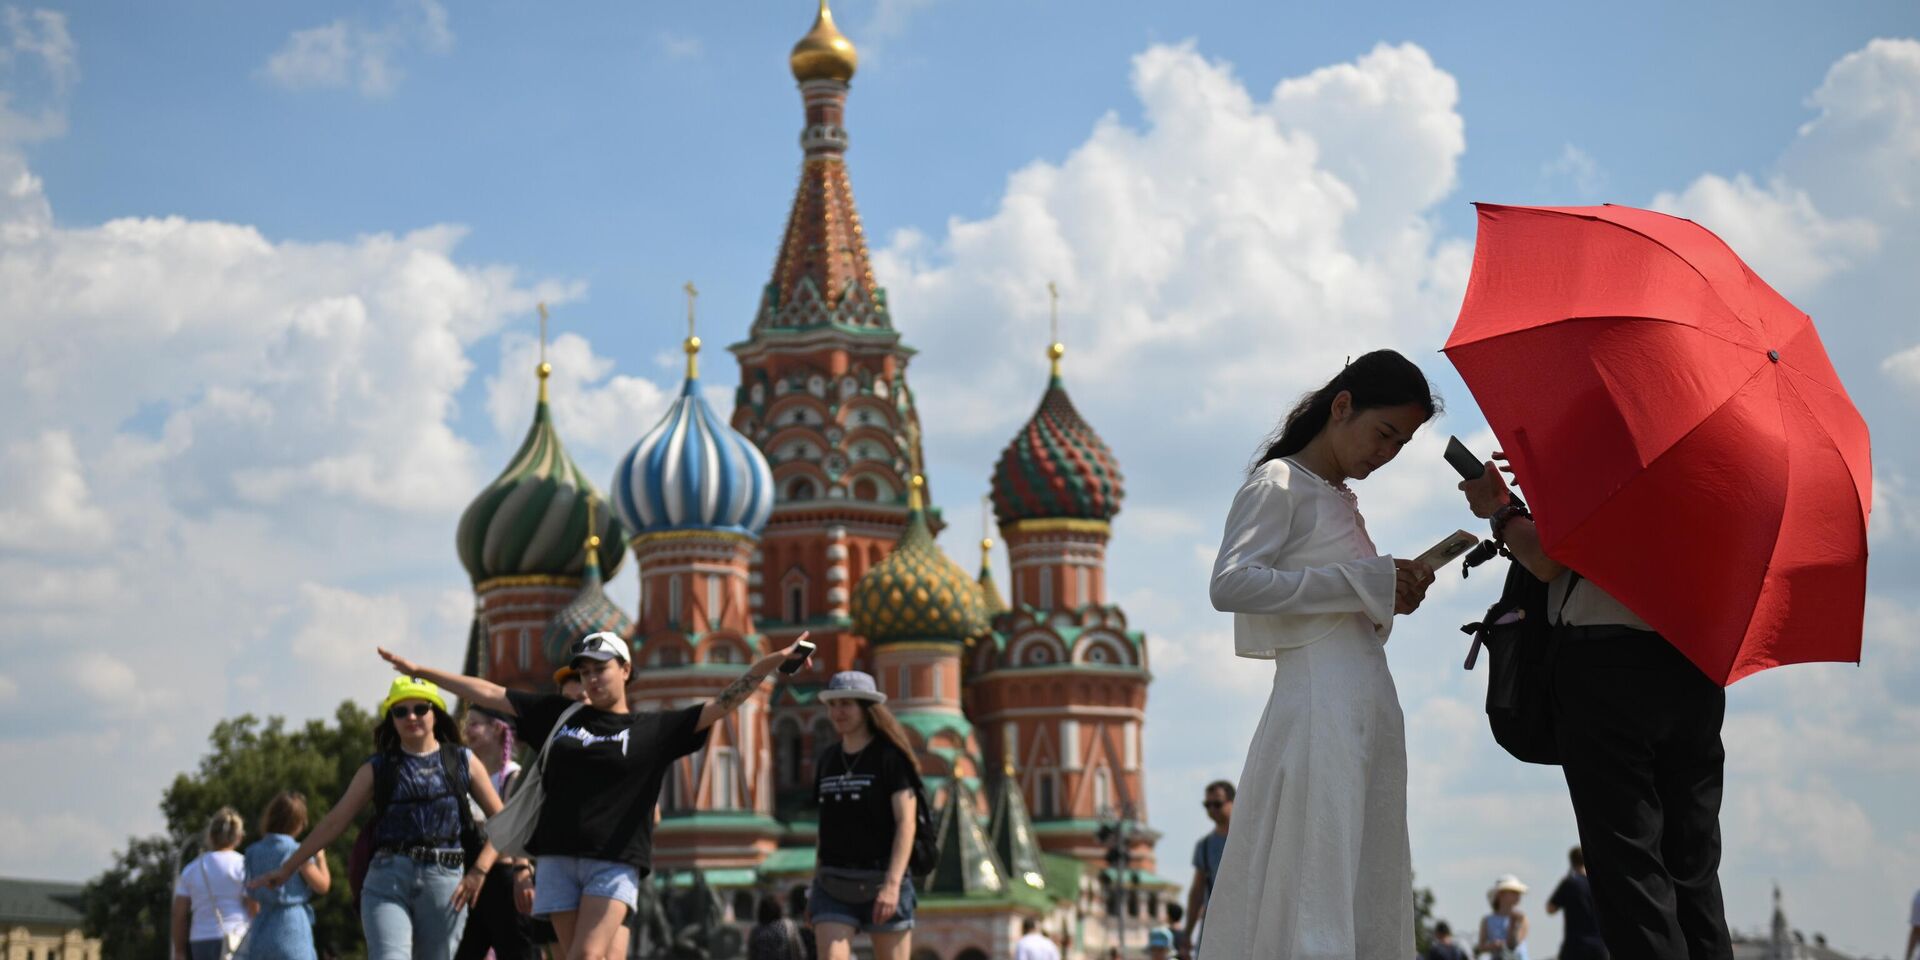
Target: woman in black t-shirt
[865, 788]
[593, 840]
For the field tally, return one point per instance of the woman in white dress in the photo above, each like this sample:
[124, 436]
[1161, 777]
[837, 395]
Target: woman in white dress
[1317, 865]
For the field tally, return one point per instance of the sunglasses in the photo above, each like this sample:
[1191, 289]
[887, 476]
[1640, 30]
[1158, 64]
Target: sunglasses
[404, 711]
[1214, 804]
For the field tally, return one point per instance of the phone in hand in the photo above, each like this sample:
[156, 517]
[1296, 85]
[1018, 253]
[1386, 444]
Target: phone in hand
[793, 663]
[1469, 466]
[1442, 553]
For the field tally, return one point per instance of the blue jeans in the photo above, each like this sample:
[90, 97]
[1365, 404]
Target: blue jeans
[406, 909]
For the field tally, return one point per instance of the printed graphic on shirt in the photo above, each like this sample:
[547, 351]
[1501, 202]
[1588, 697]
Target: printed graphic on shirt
[845, 787]
[588, 738]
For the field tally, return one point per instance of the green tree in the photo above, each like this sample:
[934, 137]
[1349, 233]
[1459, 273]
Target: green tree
[1422, 919]
[249, 761]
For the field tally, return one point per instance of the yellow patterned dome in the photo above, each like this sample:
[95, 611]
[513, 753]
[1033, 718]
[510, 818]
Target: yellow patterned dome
[824, 53]
[916, 593]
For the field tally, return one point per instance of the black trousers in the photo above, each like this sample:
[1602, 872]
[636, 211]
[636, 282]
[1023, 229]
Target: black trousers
[495, 923]
[1639, 732]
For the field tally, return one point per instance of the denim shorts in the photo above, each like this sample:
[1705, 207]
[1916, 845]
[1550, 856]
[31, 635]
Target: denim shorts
[859, 916]
[560, 881]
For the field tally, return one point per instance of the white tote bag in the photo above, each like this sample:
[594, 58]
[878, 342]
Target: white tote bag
[511, 828]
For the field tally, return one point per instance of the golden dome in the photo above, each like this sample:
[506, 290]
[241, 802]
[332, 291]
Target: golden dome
[824, 53]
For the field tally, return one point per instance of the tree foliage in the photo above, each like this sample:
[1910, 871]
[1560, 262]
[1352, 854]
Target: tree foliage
[1422, 920]
[248, 762]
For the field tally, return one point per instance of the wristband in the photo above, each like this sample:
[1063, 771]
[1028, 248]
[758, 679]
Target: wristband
[1505, 515]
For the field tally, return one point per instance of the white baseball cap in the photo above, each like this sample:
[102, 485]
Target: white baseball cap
[604, 645]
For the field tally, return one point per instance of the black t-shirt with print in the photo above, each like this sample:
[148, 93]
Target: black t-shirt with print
[855, 794]
[603, 775]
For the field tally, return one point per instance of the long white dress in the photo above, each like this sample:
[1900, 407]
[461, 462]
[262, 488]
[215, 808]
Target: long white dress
[1317, 865]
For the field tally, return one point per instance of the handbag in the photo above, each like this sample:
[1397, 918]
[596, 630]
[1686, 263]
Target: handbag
[512, 828]
[232, 943]
[1520, 648]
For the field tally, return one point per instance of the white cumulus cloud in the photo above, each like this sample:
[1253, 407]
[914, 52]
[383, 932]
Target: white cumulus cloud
[345, 54]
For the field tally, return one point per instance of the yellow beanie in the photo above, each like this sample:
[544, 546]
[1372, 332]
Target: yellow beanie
[412, 688]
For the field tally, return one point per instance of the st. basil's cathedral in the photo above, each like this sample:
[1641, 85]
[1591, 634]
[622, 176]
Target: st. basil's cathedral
[806, 511]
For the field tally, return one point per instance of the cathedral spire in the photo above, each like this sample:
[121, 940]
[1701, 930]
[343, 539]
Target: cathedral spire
[822, 275]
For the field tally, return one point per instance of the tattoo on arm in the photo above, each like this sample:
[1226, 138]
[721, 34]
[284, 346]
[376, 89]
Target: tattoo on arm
[738, 690]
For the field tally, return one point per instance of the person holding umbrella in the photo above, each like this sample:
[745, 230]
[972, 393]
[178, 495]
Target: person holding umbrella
[1698, 484]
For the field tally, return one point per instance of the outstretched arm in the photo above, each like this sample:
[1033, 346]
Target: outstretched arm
[738, 691]
[471, 689]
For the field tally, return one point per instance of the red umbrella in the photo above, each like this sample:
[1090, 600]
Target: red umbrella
[1683, 439]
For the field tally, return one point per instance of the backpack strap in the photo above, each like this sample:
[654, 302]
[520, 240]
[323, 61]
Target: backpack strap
[453, 763]
[385, 779]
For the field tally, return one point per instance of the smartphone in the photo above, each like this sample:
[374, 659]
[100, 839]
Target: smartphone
[792, 664]
[1442, 553]
[1463, 460]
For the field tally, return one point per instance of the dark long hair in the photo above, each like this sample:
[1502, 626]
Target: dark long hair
[886, 725]
[1382, 378]
[386, 736]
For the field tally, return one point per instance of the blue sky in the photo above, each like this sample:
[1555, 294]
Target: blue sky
[268, 272]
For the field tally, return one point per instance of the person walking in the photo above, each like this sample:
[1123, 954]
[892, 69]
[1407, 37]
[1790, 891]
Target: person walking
[1317, 866]
[1217, 800]
[283, 929]
[1503, 933]
[499, 922]
[1580, 931]
[1637, 726]
[1034, 945]
[774, 935]
[413, 902]
[864, 786]
[593, 839]
[211, 908]
[1443, 947]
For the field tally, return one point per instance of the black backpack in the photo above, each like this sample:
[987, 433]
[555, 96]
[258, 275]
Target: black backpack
[1520, 652]
[926, 840]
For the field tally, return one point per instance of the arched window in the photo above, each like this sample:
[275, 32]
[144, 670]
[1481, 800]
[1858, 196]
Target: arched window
[673, 600]
[526, 649]
[722, 653]
[1044, 803]
[1046, 588]
[800, 489]
[1083, 585]
[796, 604]
[786, 751]
[715, 583]
[865, 489]
[823, 735]
[905, 685]
[670, 799]
[971, 953]
[1102, 793]
[725, 769]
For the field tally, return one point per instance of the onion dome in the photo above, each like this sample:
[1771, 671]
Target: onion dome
[589, 612]
[915, 592]
[532, 519]
[824, 53]
[989, 593]
[693, 472]
[1056, 465]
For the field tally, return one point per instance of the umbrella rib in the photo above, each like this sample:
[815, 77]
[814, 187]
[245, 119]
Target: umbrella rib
[1822, 427]
[1554, 323]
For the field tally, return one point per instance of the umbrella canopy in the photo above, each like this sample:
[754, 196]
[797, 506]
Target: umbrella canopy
[1682, 438]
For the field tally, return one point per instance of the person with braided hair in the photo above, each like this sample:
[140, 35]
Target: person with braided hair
[501, 918]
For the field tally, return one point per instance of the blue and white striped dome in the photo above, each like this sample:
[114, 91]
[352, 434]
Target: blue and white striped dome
[693, 472]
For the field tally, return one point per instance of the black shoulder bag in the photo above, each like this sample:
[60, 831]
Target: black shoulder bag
[1520, 651]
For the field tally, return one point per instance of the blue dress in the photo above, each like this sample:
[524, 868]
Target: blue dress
[284, 928]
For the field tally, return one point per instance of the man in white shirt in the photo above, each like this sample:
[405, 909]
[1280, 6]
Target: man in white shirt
[1033, 944]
